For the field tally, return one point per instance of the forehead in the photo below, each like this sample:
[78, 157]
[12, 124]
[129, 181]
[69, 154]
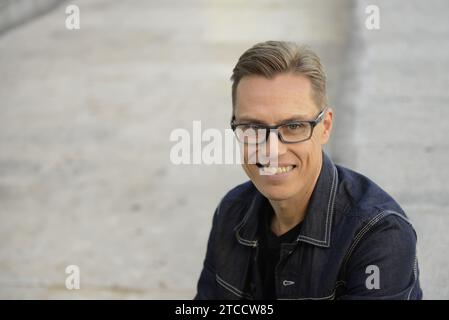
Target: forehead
[273, 99]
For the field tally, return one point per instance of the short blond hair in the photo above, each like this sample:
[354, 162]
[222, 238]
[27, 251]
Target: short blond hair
[271, 58]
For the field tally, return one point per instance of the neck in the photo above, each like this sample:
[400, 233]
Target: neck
[290, 212]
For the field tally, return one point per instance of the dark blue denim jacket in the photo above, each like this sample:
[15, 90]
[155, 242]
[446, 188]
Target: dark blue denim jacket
[350, 226]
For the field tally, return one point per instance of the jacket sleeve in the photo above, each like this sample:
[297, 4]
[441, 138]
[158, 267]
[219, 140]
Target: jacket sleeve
[382, 263]
[207, 286]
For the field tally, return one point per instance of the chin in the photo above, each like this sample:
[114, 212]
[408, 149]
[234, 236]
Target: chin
[276, 193]
[275, 188]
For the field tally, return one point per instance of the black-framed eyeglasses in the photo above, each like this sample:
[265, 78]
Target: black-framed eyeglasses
[289, 132]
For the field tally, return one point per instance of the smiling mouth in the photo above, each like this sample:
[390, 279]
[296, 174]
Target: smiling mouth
[266, 170]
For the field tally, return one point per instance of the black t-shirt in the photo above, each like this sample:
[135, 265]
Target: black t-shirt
[269, 251]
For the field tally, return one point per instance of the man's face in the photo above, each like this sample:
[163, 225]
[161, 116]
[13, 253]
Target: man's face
[270, 102]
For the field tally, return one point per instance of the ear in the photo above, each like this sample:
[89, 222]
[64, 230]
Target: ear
[327, 125]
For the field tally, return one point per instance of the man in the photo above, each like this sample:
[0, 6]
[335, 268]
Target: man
[303, 228]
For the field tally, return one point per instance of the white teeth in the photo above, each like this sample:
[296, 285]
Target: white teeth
[275, 170]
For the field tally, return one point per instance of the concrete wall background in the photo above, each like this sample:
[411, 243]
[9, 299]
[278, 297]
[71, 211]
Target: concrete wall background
[17, 12]
[85, 118]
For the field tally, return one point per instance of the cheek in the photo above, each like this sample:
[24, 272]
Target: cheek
[306, 154]
[302, 152]
[247, 158]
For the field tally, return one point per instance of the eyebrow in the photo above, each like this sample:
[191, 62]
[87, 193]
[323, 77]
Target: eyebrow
[289, 119]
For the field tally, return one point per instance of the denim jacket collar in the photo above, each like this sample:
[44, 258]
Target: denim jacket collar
[317, 225]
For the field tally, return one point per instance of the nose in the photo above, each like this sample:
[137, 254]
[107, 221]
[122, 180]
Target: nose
[275, 147]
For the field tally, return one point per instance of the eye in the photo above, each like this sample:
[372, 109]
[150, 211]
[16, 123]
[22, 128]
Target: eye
[245, 127]
[295, 126]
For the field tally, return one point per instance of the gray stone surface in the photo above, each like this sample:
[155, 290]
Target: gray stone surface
[17, 12]
[85, 119]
